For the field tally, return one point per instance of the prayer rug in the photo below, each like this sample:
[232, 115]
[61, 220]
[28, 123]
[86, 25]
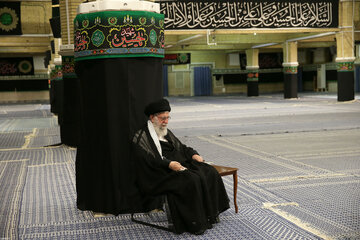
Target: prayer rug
[12, 178]
[292, 192]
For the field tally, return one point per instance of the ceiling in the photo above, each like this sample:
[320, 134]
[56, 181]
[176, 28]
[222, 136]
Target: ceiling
[240, 40]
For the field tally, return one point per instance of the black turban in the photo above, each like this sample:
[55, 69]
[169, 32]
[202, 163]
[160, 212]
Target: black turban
[161, 105]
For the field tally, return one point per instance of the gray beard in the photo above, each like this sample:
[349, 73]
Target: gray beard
[160, 131]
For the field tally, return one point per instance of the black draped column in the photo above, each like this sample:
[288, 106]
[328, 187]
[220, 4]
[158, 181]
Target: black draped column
[290, 81]
[345, 57]
[70, 126]
[252, 68]
[56, 90]
[290, 68]
[51, 74]
[252, 81]
[118, 60]
[346, 82]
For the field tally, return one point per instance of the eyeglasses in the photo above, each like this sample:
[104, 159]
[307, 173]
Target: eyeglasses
[163, 118]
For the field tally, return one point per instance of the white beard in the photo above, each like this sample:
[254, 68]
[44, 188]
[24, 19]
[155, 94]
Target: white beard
[161, 132]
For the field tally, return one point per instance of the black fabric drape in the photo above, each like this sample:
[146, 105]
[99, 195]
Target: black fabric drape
[113, 94]
[52, 97]
[57, 98]
[69, 129]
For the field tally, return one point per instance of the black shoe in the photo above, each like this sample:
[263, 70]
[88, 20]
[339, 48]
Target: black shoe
[171, 227]
[214, 220]
[200, 232]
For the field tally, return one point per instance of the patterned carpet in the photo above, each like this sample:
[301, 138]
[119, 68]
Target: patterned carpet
[292, 185]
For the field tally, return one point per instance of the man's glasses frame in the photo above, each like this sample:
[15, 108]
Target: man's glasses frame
[163, 118]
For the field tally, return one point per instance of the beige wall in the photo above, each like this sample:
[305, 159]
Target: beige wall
[235, 88]
[6, 97]
[180, 76]
[219, 59]
[179, 80]
[35, 17]
[67, 31]
[271, 87]
[218, 86]
[242, 88]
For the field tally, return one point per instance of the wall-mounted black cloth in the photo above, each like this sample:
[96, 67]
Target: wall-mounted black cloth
[14, 66]
[230, 14]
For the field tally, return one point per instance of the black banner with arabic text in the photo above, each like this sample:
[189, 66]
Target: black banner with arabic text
[207, 14]
[177, 58]
[16, 66]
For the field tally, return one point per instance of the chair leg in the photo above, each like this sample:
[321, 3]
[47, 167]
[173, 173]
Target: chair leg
[166, 208]
[235, 190]
[150, 224]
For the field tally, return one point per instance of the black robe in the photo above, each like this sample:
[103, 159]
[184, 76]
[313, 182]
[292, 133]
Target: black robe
[196, 196]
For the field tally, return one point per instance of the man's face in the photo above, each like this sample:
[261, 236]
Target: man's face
[161, 120]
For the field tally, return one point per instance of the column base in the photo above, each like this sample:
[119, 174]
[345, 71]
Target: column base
[290, 85]
[252, 88]
[346, 89]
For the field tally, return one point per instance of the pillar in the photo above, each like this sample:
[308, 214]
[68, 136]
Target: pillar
[70, 125]
[290, 68]
[67, 14]
[357, 68]
[252, 67]
[345, 53]
[58, 87]
[52, 75]
[118, 50]
[56, 90]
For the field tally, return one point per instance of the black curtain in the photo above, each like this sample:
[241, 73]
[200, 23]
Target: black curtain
[113, 94]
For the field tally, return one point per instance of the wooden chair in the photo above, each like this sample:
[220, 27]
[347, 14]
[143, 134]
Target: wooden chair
[224, 171]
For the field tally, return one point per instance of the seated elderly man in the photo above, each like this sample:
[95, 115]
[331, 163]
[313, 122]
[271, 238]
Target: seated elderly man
[195, 191]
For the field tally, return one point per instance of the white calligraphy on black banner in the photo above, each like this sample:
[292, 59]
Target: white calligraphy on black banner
[249, 14]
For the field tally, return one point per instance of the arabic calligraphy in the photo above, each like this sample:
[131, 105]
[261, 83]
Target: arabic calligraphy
[81, 41]
[118, 34]
[68, 65]
[249, 14]
[7, 68]
[16, 66]
[127, 37]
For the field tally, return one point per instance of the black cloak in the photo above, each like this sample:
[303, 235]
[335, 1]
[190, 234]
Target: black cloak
[195, 196]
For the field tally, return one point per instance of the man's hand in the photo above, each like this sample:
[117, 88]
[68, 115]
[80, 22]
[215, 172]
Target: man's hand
[176, 166]
[198, 158]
